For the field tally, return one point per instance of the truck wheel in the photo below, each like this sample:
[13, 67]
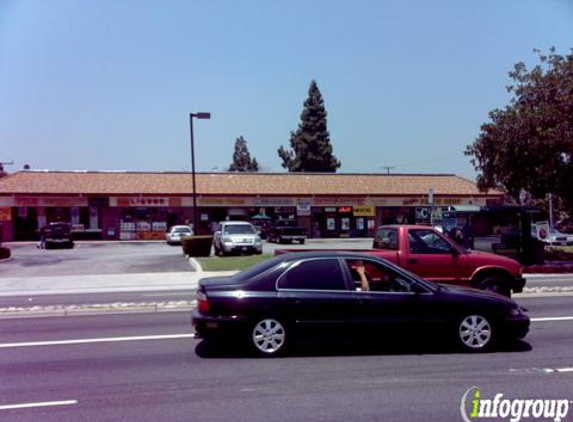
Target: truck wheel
[495, 285]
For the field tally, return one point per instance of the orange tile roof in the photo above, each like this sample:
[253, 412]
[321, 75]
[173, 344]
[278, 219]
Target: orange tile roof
[276, 184]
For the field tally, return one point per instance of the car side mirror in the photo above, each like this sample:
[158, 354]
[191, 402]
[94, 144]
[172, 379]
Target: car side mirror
[416, 288]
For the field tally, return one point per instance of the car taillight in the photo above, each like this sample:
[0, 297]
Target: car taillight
[202, 302]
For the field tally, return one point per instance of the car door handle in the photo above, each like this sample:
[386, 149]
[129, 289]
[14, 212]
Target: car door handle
[412, 261]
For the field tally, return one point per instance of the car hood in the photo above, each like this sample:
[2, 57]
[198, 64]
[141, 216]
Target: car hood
[471, 293]
[488, 259]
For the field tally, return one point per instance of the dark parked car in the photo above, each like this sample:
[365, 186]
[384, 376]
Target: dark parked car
[58, 235]
[285, 231]
[319, 294]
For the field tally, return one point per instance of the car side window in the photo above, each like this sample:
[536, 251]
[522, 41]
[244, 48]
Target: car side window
[427, 242]
[314, 274]
[379, 277]
[386, 239]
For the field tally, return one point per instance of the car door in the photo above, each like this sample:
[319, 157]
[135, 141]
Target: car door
[433, 257]
[317, 297]
[391, 306]
[217, 236]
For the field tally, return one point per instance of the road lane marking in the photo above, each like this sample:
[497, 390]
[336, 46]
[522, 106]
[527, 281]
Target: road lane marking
[95, 340]
[565, 370]
[545, 319]
[38, 404]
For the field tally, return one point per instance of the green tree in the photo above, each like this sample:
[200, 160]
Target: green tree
[242, 157]
[527, 147]
[311, 148]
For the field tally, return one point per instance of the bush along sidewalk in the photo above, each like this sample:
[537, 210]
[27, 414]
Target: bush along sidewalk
[197, 245]
[5, 253]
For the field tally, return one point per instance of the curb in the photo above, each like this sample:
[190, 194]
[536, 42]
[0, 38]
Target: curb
[94, 309]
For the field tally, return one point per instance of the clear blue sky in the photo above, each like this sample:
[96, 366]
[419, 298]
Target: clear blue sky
[108, 84]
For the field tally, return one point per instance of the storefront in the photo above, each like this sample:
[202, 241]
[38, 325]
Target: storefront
[101, 205]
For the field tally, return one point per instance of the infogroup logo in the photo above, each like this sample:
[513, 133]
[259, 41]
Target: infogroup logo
[474, 407]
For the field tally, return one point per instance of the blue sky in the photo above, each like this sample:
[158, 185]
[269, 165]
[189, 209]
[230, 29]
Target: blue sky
[108, 84]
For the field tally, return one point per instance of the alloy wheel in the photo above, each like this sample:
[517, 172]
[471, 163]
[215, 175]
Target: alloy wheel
[269, 336]
[475, 332]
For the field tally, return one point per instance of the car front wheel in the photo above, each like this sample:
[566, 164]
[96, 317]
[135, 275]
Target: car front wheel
[496, 285]
[268, 337]
[475, 333]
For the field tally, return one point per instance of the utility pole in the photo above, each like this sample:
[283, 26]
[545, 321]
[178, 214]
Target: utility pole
[388, 168]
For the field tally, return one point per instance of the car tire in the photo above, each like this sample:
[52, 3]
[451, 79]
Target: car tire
[268, 337]
[495, 285]
[475, 333]
[301, 241]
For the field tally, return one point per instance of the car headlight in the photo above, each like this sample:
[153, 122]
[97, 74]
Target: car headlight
[517, 311]
[258, 240]
[227, 240]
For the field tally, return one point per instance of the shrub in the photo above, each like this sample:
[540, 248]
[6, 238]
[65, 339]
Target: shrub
[5, 253]
[197, 245]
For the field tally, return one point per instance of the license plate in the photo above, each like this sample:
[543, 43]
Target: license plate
[244, 248]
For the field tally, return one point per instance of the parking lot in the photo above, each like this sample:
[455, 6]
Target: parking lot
[124, 257]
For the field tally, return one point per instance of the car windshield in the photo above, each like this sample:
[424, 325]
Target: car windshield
[182, 230]
[240, 229]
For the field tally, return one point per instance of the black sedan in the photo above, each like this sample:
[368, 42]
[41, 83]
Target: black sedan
[316, 294]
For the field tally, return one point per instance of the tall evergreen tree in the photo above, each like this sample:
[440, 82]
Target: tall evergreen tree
[311, 148]
[242, 157]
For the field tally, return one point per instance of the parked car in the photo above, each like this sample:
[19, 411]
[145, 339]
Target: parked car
[236, 237]
[176, 233]
[58, 235]
[550, 235]
[316, 294]
[285, 231]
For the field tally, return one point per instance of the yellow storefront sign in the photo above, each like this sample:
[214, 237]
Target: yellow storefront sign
[363, 211]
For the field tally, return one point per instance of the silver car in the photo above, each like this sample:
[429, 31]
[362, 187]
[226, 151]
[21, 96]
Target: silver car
[236, 237]
[175, 234]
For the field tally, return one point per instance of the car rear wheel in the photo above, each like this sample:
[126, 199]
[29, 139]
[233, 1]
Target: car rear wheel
[475, 333]
[268, 337]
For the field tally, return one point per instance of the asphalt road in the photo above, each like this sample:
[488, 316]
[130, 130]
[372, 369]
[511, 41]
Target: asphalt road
[178, 379]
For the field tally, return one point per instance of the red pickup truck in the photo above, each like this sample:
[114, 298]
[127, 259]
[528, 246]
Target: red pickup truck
[433, 256]
[428, 253]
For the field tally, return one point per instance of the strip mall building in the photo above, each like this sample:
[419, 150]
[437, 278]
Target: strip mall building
[141, 206]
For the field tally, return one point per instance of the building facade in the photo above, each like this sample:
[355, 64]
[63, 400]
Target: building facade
[142, 206]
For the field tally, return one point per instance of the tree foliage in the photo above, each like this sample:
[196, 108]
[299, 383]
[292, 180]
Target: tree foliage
[311, 148]
[242, 157]
[527, 147]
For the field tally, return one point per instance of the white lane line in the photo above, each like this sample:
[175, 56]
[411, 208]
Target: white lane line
[544, 319]
[564, 370]
[94, 340]
[39, 404]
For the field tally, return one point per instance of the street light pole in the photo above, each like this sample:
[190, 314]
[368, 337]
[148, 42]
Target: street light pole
[201, 115]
